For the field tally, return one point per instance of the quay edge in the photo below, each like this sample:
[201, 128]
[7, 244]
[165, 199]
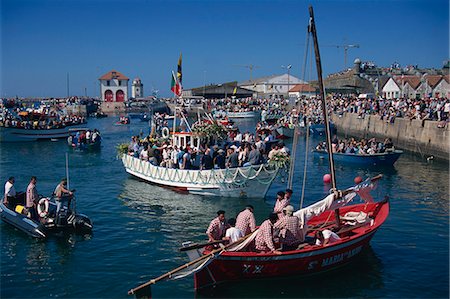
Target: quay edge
[422, 137]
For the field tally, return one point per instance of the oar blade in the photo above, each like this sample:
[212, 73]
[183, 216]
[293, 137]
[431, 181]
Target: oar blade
[144, 293]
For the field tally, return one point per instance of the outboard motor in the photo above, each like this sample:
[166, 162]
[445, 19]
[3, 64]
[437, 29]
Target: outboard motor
[82, 223]
[61, 217]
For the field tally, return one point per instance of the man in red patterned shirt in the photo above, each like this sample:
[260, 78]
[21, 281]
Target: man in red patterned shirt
[245, 221]
[217, 227]
[289, 226]
[264, 236]
[280, 203]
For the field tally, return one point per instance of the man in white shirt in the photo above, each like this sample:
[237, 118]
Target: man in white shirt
[326, 237]
[10, 191]
[233, 234]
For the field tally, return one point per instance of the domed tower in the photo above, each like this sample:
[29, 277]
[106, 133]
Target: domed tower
[137, 89]
[357, 66]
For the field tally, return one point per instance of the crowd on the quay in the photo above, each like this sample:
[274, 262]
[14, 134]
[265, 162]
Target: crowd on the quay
[436, 109]
[33, 121]
[239, 150]
[281, 231]
[358, 147]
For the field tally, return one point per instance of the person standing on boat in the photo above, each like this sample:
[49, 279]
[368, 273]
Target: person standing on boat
[217, 227]
[289, 229]
[10, 191]
[245, 221]
[264, 237]
[219, 160]
[62, 194]
[288, 194]
[32, 197]
[280, 203]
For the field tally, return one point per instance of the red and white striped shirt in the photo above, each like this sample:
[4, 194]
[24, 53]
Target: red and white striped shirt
[217, 228]
[264, 237]
[280, 204]
[290, 233]
[245, 221]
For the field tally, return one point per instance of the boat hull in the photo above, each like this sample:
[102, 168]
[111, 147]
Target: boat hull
[251, 181]
[245, 114]
[236, 266]
[319, 129]
[381, 159]
[8, 134]
[22, 222]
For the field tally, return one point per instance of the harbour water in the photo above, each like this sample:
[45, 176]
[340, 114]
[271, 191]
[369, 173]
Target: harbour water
[139, 227]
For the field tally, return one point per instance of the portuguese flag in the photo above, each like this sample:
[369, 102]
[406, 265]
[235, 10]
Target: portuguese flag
[175, 86]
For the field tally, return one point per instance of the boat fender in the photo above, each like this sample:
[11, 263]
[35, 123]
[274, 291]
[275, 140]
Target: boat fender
[42, 207]
[165, 132]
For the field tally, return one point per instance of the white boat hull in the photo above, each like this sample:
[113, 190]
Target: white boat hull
[8, 134]
[251, 181]
[245, 114]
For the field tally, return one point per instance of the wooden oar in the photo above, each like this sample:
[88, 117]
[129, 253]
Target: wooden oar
[170, 273]
[201, 245]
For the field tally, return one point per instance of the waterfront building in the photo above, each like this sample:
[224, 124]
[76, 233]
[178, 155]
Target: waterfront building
[219, 91]
[302, 90]
[273, 86]
[137, 89]
[114, 90]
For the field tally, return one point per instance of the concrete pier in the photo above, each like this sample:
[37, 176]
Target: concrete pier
[423, 137]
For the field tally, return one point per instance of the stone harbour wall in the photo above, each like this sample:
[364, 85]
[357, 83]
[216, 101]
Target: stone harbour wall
[423, 137]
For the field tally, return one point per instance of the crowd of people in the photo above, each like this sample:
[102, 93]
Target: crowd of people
[281, 231]
[358, 147]
[83, 138]
[35, 120]
[436, 109]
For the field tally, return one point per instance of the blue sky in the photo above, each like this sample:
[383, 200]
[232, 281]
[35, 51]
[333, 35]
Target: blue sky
[44, 40]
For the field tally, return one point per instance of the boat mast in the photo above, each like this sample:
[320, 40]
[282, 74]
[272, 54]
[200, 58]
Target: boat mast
[312, 30]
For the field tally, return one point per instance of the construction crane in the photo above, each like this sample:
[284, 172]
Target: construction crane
[250, 67]
[345, 47]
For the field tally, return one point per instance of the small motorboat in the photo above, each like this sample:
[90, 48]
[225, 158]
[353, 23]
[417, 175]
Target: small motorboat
[79, 140]
[47, 220]
[387, 158]
[124, 120]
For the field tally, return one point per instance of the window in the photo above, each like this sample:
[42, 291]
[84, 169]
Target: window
[108, 83]
[120, 83]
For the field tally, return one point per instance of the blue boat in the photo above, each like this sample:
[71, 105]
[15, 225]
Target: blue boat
[319, 129]
[378, 159]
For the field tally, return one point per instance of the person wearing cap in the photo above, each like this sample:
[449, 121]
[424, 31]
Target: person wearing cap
[264, 237]
[62, 194]
[245, 221]
[219, 160]
[289, 229]
[280, 203]
[217, 227]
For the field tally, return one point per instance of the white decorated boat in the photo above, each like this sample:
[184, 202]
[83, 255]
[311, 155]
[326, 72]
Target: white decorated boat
[251, 181]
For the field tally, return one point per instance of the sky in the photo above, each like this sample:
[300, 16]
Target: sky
[47, 43]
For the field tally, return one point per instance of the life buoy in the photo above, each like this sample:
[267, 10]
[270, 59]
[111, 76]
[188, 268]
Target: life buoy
[165, 132]
[42, 207]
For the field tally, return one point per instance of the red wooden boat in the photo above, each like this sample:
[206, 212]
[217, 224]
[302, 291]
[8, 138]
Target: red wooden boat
[311, 259]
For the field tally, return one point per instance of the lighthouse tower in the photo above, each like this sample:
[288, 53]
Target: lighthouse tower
[137, 89]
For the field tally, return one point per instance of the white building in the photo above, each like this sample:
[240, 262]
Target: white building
[275, 85]
[137, 89]
[390, 89]
[113, 87]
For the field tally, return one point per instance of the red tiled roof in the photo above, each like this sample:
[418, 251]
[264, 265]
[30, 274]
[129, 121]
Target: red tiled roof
[302, 88]
[413, 81]
[113, 75]
[433, 80]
